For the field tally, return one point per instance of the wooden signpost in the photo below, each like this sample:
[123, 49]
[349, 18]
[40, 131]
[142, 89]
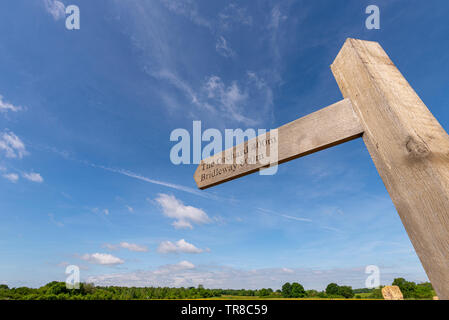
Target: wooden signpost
[409, 148]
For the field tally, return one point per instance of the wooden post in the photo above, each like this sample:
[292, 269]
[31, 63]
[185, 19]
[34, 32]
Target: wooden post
[409, 148]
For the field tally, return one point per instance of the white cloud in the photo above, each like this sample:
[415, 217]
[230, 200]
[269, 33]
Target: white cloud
[188, 9]
[126, 245]
[102, 258]
[5, 106]
[13, 177]
[231, 99]
[130, 209]
[184, 215]
[296, 218]
[276, 17]
[35, 177]
[185, 274]
[185, 265]
[234, 15]
[180, 246]
[153, 181]
[287, 270]
[12, 145]
[223, 48]
[171, 268]
[55, 8]
[100, 211]
[153, 33]
[183, 87]
[133, 247]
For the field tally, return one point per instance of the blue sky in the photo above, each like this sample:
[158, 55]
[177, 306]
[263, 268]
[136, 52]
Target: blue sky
[85, 121]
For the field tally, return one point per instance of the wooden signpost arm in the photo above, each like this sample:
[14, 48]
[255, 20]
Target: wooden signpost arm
[409, 148]
[320, 130]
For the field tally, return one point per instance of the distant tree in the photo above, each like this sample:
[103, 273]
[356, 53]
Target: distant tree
[311, 293]
[423, 292]
[287, 290]
[57, 288]
[376, 294]
[4, 286]
[23, 291]
[265, 292]
[408, 288]
[332, 289]
[345, 291]
[87, 288]
[297, 290]
[362, 290]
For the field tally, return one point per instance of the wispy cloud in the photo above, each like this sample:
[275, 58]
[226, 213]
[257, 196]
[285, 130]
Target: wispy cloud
[170, 268]
[276, 17]
[12, 145]
[180, 246]
[126, 245]
[102, 259]
[184, 88]
[102, 211]
[131, 174]
[215, 96]
[153, 181]
[55, 8]
[6, 106]
[185, 274]
[271, 212]
[296, 218]
[188, 9]
[230, 99]
[160, 60]
[223, 47]
[233, 15]
[184, 215]
[13, 177]
[34, 177]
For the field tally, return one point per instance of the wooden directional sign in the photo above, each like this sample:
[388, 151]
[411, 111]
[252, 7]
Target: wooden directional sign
[409, 148]
[327, 127]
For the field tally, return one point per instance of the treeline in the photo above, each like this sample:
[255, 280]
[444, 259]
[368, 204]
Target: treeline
[409, 289]
[58, 291]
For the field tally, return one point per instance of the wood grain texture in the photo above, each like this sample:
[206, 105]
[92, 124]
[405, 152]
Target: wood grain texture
[409, 148]
[325, 128]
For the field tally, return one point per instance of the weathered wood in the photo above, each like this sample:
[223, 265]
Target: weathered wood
[322, 129]
[409, 148]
